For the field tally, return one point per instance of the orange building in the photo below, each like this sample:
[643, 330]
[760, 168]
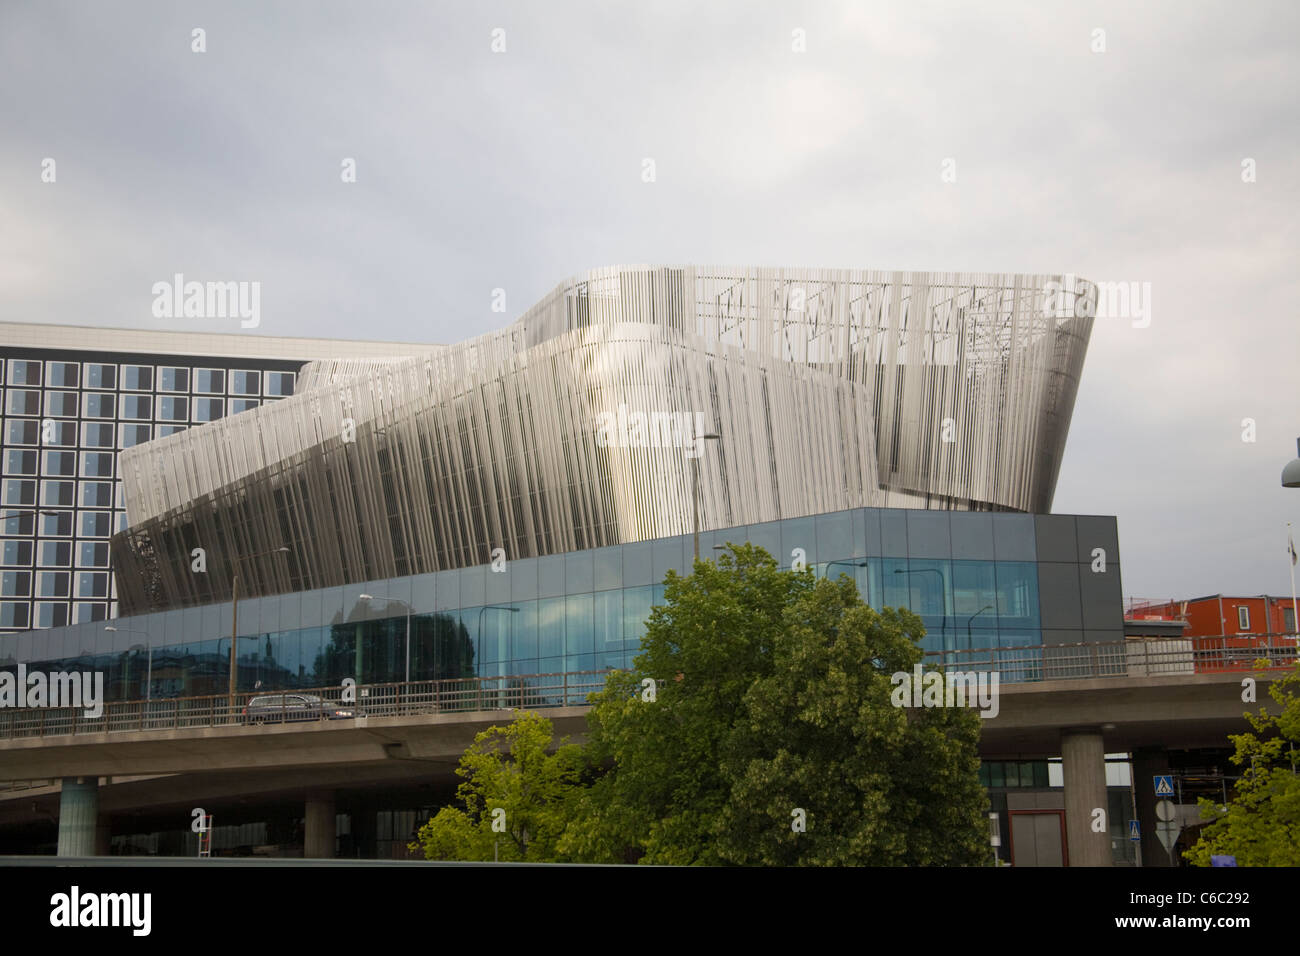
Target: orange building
[1221, 616]
[1224, 630]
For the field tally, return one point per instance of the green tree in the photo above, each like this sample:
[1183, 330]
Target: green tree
[1260, 826]
[771, 701]
[513, 796]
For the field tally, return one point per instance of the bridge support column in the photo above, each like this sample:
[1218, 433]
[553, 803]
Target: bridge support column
[1149, 762]
[320, 835]
[78, 816]
[1083, 759]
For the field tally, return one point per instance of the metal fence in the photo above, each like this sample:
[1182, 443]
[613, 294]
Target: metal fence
[1131, 658]
[1155, 657]
[459, 695]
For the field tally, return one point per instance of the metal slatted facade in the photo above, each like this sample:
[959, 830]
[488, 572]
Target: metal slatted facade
[831, 389]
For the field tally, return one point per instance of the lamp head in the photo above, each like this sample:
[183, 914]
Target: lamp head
[1291, 473]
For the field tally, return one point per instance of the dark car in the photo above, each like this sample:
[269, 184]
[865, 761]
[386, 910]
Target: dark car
[281, 708]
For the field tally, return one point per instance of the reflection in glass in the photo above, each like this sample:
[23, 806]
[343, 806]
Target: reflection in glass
[636, 609]
[550, 627]
[922, 585]
[578, 633]
[1017, 593]
[608, 623]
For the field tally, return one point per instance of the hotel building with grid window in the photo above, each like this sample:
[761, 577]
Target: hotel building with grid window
[72, 398]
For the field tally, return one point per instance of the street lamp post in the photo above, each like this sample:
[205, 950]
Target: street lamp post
[234, 617]
[1291, 479]
[1291, 473]
[943, 598]
[148, 680]
[371, 597]
[849, 564]
[1295, 611]
[986, 607]
[695, 491]
[22, 511]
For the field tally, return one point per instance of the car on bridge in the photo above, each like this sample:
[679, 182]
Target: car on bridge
[282, 708]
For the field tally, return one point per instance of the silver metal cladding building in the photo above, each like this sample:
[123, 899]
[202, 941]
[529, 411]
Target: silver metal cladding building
[581, 425]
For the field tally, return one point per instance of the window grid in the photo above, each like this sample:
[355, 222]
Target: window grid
[65, 419]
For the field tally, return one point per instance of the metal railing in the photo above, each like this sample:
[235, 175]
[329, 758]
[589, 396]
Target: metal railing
[1136, 657]
[1159, 608]
[456, 695]
[1142, 657]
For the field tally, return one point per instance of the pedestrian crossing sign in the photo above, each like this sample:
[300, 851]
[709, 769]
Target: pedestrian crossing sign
[1164, 785]
[1134, 833]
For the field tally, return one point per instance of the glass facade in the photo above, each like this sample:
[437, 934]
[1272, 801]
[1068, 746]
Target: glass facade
[66, 414]
[580, 611]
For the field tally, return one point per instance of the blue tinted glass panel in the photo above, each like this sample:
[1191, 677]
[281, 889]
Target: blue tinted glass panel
[608, 621]
[636, 608]
[473, 586]
[1014, 537]
[637, 566]
[974, 591]
[972, 535]
[497, 584]
[896, 585]
[1017, 602]
[667, 555]
[469, 622]
[523, 579]
[768, 537]
[447, 584]
[928, 535]
[578, 630]
[523, 643]
[835, 536]
[607, 568]
[550, 576]
[311, 649]
[497, 627]
[800, 533]
[550, 627]
[931, 583]
[893, 532]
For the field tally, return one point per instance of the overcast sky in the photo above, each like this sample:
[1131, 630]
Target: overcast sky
[478, 170]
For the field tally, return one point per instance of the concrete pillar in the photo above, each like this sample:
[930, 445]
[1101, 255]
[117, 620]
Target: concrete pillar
[1149, 762]
[1083, 759]
[318, 842]
[78, 816]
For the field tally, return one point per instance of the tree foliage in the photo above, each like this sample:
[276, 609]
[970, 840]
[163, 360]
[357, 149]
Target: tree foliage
[1261, 824]
[768, 735]
[513, 796]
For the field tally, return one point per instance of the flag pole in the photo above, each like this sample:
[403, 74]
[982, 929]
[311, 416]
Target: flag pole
[1295, 614]
[1295, 611]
